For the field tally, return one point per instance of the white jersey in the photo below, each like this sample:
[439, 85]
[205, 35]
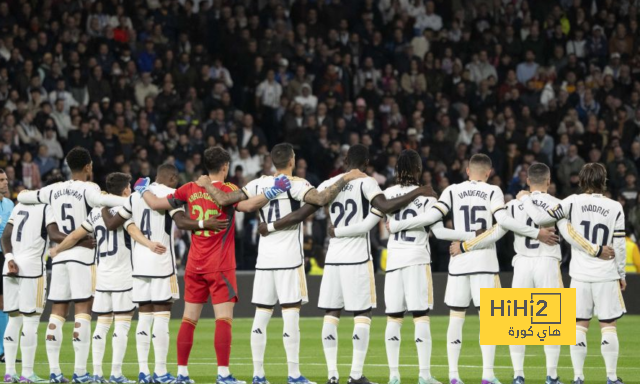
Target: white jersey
[351, 206]
[472, 204]
[409, 247]
[599, 219]
[156, 226]
[71, 202]
[282, 249]
[526, 246]
[113, 253]
[29, 238]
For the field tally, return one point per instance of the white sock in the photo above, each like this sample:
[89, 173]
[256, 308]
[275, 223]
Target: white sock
[609, 348]
[223, 371]
[54, 342]
[552, 353]
[29, 343]
[360, 338]
[143, 340]
[423, 345]
[517, 359]
[454, 342]
[259, 339]
[330, 344]
[99, 343]
[183, 370]
[488, 357]
[161, 341]
[119, 343]
[579, 352]
[11, 340]
[392, 337]
[291, 339]
[82, 342]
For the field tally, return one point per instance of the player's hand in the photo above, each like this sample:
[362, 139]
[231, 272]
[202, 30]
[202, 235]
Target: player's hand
[158, 248]
[141, 185]
[216, 225]
[454, 249]
[354, 174]
[607, 253]
[12, 268]
[281, 184]
[203, 181]
[427, 190]
[332, 231]
[522, 193]
[548, 236]
[623, 284]
[263, 229]
[53, 252]
[88, 242]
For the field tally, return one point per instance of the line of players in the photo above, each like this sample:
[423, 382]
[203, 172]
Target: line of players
[357, 204]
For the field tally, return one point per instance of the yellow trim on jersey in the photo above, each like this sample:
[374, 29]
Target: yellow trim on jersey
[372, 282]
[560, 282]
[496, 281]
[232, 186]
[40, 292]
[302, 280]
[440, 209]
[421, 319]
[430, 285]
[93, 278]
[173, 280]
[470, 243]
[624, 307]
[586, 246]
[398, 320]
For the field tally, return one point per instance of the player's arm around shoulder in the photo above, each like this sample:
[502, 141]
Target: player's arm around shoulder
[137, 236]
[327, 195]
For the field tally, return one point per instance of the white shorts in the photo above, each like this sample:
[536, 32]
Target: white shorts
[155, 289]
[408, 289]
[72, 281]
[598, 299]
[462, 289]
[25, 295]
[536, 272]
[116, 302]
[286, 286]
[351, 287]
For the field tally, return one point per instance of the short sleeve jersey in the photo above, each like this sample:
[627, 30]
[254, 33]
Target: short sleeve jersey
[472, 205]
[351, 206]
[599, 219]
[210, 251]
[29, 238]
[526, 246]
[410, 247]
[156, 226]
[113, 253]
[282, 249]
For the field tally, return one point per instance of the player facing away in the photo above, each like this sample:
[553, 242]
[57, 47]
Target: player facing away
[598, 282]
[73, 271]
[6, 207]
[535, 264]
[474, 204]
[280, 276]
[348, 281]
[25, 241]
[211, 264]
[113, 282]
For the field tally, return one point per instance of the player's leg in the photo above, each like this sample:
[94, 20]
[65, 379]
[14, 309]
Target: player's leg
[547, 275]
[196, 294]
[31, 305]
[223, 290]
[291, 289]
[609, 306]
[11, 286]
[60, 295]
[102, 306]
[141, 295]
[164, 291]
[123, 308]
[82, 339]
[522, 278]
[264, 297]
[584, 312]
[488, 351]
[332, 301]
[457, 297]
[4, 316]
[395, 307]
[359, 291]
[418, 287]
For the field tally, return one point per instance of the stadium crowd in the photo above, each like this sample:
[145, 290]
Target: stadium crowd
[140, 83]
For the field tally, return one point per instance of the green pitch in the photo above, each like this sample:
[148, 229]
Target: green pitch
[202, 363]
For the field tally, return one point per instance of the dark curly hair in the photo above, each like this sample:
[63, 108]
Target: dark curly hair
[117, 182]
[78, 158]
[408, 166]
[215, 158]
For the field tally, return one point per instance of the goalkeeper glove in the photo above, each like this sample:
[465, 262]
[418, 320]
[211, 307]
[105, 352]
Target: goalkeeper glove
[281, 184]
[141, 185]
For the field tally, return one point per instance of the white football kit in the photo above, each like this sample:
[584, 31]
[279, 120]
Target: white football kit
[26, 292]
[113, 253]
[154, 276]
[601, 221]
[348, 280]
[280, 273]
[72, 271]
